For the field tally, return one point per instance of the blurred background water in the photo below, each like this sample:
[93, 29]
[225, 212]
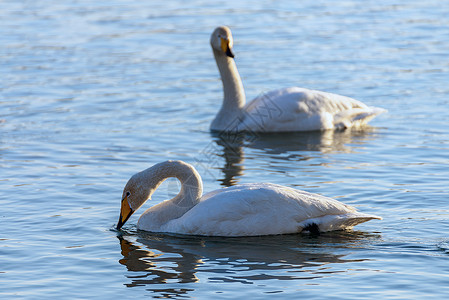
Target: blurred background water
[92, 92]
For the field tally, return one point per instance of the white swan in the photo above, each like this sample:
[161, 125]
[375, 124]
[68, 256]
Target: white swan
[288, 109]
[243, 210]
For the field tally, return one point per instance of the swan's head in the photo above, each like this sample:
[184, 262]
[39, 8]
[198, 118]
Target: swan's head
[135, 193]
[221, 41]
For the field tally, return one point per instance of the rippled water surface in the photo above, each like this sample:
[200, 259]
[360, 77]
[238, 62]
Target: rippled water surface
[93, 92]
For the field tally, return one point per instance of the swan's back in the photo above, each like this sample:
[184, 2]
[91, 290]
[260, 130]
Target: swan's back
[261, 209]
[299, 109]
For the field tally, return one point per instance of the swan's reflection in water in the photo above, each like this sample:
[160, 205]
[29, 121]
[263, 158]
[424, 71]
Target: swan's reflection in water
[156, 260]
[296, 146]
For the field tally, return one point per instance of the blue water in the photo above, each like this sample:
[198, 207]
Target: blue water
[95, 91]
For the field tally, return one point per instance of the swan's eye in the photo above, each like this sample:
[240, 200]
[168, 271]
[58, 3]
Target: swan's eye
[128, 193]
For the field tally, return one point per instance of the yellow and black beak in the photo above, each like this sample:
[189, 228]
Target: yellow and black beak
[125, 212]
[226, 47]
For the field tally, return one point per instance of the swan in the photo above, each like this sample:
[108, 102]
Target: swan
[241, 210]
[282, 110]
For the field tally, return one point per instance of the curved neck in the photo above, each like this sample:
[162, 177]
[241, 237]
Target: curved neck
[160, 214]
[191, 183]
[234, 94]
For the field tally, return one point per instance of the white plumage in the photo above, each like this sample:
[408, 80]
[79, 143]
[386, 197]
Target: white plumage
[243, 210]
[283, 110]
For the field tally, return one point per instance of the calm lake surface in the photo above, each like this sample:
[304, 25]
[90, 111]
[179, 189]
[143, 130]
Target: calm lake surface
[95, 91]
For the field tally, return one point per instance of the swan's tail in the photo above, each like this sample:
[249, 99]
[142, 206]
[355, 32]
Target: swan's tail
[338, 222]
[356, 117]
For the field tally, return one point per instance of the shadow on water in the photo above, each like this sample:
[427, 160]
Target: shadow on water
[153, 260]
[288, 146]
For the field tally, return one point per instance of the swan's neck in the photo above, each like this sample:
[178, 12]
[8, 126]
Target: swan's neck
[189, 195]
[234, 95]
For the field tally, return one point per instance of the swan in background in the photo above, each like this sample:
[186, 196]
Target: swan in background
[283, 110]
[241, 210]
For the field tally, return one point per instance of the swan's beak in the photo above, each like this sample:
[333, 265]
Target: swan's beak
[125, 213]
[226, 47]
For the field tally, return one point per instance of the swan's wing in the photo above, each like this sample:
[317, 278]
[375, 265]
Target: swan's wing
[298, 109]
[256, 209]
